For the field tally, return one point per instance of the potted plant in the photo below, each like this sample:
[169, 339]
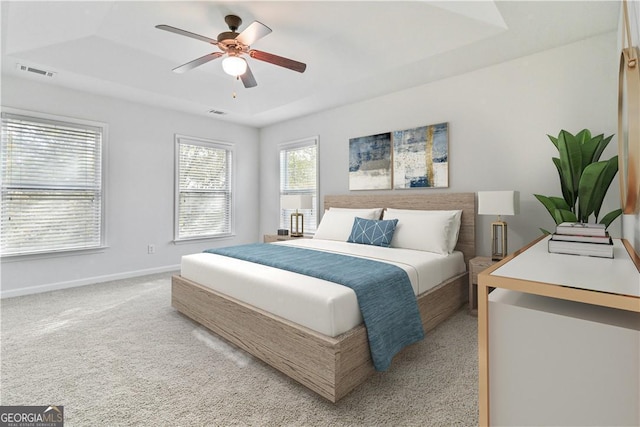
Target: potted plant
[584, 179]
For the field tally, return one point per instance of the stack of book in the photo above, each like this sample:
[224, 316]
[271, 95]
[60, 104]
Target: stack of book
[581, 239]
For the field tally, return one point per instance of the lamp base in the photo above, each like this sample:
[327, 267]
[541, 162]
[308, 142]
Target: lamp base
[498, 240]
[298, 231]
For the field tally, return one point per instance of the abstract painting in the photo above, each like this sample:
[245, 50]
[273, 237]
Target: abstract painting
[370, 162]
[421, 157]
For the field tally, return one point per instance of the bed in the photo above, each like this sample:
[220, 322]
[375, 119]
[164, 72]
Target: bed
[334, 360]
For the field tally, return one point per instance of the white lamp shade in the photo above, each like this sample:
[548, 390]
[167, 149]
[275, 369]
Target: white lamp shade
[295, 201]
[234, 65]
[498, 202]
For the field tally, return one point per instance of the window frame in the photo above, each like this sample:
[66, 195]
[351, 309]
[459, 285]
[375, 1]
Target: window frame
[37, 116]
[291, 145]
[210, 143]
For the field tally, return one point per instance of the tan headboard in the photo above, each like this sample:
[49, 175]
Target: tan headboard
[465, 201]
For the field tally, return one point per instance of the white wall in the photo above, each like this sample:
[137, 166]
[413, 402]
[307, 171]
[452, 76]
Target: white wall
[498, 120]
[140, 185]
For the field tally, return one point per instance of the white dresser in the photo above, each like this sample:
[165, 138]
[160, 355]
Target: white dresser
[559, 339]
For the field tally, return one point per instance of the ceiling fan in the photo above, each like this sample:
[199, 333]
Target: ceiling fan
[234, 46]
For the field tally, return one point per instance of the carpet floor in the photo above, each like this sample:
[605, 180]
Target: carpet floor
[118, 354]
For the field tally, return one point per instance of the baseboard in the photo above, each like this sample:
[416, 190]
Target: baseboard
[83, 282]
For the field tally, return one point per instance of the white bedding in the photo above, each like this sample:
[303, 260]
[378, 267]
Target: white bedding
[322, 306]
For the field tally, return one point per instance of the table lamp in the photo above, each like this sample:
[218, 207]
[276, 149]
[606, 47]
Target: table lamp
[498, 203]
[296, 201]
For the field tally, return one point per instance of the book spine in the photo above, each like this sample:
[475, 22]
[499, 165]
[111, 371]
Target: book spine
[581, 248]
[601, 240]
[579, 253]
[573, 231]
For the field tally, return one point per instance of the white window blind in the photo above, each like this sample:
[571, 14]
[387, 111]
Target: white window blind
[299, 176]
[51, 185]
[204, 196]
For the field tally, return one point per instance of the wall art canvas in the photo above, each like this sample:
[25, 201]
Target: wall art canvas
[370, 162]
[421, 157]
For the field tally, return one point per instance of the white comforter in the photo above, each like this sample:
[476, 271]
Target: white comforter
[322, 306]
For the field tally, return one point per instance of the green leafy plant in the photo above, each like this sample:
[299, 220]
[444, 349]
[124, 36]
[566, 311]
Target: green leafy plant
[584, 179]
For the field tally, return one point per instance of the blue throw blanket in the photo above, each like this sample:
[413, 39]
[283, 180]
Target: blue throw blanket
[387, 302]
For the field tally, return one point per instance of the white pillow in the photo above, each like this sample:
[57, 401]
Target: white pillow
[362, 213]
[336, 223]
[431, 231]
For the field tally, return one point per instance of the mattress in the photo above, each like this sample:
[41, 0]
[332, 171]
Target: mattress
[325, 307]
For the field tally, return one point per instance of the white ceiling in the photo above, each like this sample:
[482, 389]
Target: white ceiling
[354, 50]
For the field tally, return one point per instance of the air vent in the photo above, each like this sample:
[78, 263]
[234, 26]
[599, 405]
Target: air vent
[26, 68]
[218, 112]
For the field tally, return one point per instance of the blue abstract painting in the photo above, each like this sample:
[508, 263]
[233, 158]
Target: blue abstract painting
[370, 162]
[421, 157]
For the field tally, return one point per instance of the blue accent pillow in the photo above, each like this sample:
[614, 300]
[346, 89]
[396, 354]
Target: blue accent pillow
[372, 231]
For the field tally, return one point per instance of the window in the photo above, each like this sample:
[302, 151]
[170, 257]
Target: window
[299, 176]
[204, 197]
[52, 185]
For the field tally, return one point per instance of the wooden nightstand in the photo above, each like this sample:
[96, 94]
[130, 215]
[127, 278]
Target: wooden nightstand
[270, 238]
[476, 266]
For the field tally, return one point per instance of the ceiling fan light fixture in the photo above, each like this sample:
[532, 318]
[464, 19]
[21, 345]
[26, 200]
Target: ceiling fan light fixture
[234, 65]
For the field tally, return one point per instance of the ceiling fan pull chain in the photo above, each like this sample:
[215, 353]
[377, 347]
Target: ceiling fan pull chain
[234, 86]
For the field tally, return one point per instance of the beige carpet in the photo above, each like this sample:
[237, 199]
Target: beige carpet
[117, 354]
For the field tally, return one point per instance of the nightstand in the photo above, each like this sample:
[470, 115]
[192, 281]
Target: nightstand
[476, 266]
[270, 238]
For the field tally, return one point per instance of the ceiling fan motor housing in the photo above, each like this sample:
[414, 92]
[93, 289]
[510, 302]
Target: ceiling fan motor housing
[227, 39]
[227, 36]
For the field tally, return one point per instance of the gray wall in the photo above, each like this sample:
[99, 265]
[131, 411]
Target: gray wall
[140, 185]
[498, 116]
[498, 120]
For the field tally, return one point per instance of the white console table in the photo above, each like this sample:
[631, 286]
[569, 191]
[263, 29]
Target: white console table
[548, 285]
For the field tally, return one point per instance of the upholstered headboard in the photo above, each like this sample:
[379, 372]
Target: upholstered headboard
[447, 201]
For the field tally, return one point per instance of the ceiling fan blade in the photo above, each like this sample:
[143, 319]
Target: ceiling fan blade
[247, 78]
[187, 33]
[278, 60]
[197, 62]
[253, 33]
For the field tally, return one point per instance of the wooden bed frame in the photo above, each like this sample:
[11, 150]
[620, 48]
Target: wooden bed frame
[330, 366]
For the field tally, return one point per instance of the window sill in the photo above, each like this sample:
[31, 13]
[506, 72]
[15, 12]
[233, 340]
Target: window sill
[201, 239]
[54, 254]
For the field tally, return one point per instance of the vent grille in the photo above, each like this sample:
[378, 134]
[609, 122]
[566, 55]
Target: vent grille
[28, 69]
[218, 112]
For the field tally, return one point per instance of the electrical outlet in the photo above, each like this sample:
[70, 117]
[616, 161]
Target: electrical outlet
[151, 249]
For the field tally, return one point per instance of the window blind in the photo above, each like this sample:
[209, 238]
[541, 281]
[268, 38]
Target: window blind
[51, 185]
[204, 196]
[299, 176]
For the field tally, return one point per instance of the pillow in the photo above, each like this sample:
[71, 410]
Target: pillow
[364, 213]
[376, 232]
[431, 231]
[336, 224]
